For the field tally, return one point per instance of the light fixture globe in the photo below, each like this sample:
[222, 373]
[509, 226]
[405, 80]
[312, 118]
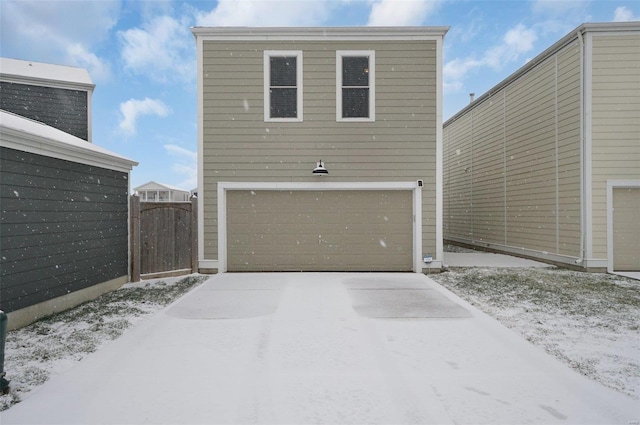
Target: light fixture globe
[320, 170]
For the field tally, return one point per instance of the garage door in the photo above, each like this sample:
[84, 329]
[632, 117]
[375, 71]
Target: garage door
[341, 230]
[626, 229]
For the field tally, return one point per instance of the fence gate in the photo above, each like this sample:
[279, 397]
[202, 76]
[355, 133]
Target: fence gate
[163, 238]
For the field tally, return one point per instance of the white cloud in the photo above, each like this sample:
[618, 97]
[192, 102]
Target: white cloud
[163, 49]
[516, 42]
[266, 13]
[63, 33]
[81, 57]
[186, 165]
[400, 12]
[623, 14]
[133, 108]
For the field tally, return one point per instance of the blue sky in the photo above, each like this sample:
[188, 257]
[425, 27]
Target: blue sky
[141, 54]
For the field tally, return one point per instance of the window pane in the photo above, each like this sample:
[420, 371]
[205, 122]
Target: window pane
[284, 103]
[283, 71]
[355, 71]
[355, 103]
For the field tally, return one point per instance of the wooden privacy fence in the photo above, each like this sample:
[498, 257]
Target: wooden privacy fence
[163, 238]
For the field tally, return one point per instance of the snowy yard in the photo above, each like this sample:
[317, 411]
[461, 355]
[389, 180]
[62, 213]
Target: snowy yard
[54, 344]
[589, 321]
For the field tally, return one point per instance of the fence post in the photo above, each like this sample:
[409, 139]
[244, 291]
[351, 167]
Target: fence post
[135, 238]
[194, 234]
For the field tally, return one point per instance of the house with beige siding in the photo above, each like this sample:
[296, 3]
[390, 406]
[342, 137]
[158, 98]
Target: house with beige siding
[320, 149]
[547, 163]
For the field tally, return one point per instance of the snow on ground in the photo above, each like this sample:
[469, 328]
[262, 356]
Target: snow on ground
[55, 344]
[590, 321]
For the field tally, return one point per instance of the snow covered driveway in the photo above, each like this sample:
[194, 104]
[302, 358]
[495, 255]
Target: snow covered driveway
[328, 348]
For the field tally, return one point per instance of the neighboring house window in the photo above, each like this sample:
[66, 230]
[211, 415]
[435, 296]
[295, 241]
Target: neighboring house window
[164, 195]
[355, 85]
[282, 85]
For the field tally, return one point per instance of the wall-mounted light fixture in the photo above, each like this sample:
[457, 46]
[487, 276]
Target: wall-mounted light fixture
[320, 170]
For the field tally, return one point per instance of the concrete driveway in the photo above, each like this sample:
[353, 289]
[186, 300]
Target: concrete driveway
[331, 348]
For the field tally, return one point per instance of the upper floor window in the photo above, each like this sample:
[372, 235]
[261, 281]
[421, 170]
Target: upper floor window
[283, 85]
[355, 85]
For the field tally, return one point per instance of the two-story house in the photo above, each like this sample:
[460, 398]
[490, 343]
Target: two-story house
[160, 192]
[64, 219]
[546, 164]
[320, 149]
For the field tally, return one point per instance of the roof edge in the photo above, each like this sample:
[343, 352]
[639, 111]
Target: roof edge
[27, 135]
[318, 33]
[45, 74]
[545, 54]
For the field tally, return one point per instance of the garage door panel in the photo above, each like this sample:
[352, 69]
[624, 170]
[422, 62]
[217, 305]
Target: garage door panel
[322, 230]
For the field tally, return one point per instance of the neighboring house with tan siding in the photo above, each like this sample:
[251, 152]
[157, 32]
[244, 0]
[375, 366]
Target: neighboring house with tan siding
[547, 163]
[274, 102]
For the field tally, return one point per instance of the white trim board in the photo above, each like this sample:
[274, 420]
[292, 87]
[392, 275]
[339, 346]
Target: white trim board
[223, 187]
[24, 134]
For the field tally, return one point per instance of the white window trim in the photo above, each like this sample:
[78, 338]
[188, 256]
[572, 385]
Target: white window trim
[224, 187]
[372, 84]
[267, 79]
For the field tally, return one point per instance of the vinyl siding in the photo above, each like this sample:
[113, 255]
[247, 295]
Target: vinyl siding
[488, 171]
[512, 162]
[568, 151]
[615, 122]
[63, 227]
[64, 109]
[458, 207]
[239, 146]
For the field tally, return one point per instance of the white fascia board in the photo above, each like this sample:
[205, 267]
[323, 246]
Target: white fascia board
[17, 79]
[319, 33]
[45, 74]
[31, 136]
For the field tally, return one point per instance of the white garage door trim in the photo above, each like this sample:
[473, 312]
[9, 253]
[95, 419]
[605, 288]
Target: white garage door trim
[223, 187]
[614, 184]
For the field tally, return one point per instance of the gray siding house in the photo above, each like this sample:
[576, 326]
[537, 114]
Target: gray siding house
[59, 96]
[547, 163]
[64, 213]
[320, 149]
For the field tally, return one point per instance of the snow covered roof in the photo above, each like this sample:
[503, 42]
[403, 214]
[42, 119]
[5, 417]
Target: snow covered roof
[27, 135]
[158, 186]
[29, 72]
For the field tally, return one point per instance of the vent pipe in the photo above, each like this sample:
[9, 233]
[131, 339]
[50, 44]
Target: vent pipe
[471, 97]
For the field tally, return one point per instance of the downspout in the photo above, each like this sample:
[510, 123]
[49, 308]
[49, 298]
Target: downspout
[583, 158]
